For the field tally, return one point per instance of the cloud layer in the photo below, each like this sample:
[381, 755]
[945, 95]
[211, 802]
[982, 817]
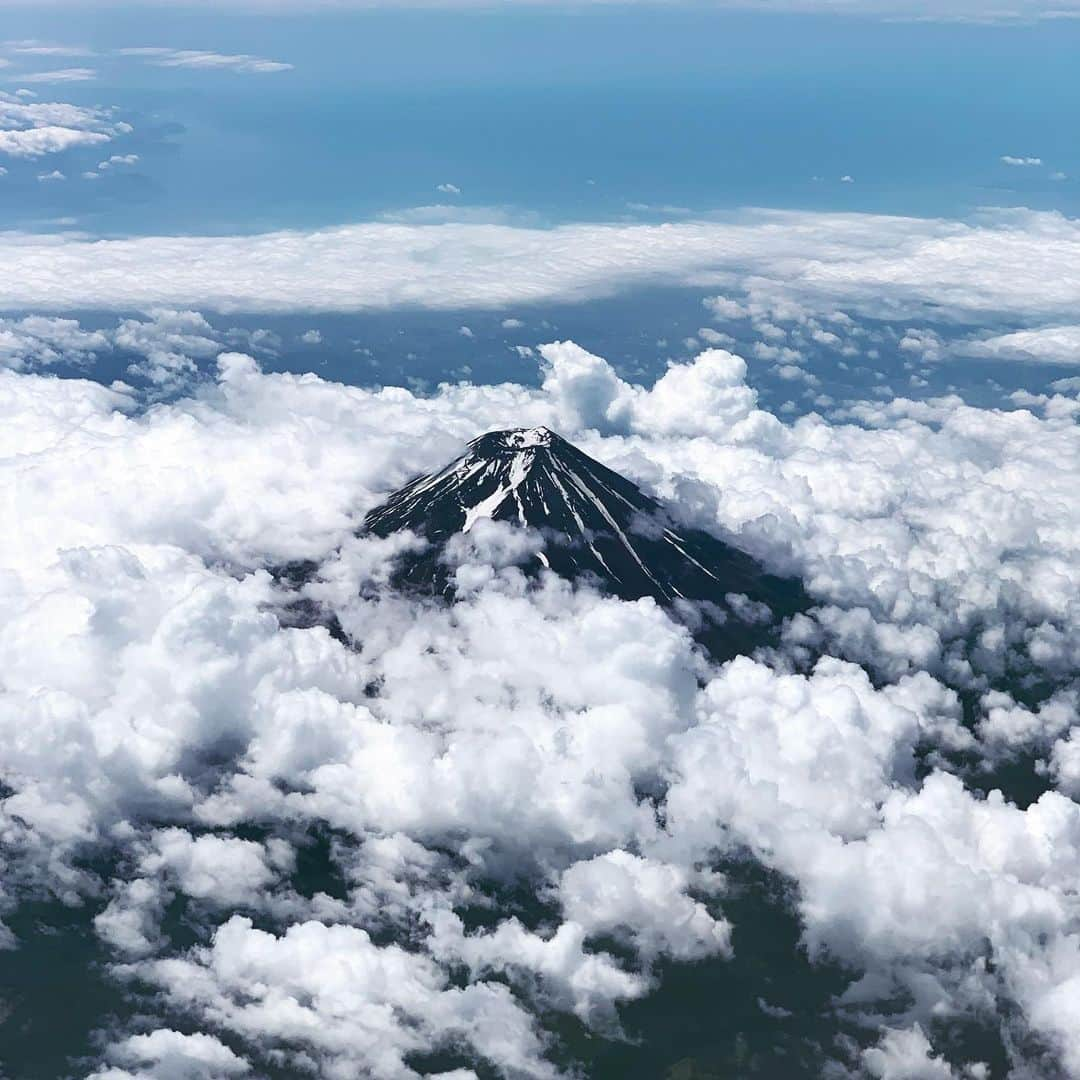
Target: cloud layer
[1007, 264]
[157, 706]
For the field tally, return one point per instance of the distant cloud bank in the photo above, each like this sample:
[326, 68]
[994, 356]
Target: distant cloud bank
[1008, 263]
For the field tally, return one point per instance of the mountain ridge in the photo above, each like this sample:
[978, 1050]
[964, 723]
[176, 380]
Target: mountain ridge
[598, 528]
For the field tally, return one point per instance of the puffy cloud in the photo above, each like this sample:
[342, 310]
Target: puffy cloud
[1010, 726]
[34, 129]
[703, 398]
[585, 389]
[909, 874]
[157, 705]
[448, 695]
[226, 870]
[168, 343]
[706, 397]
[906, 1054]
[38, 341]
[714, 337]
[331, 991]
[645, 898]
[913, 545]
[488, 547]
[924, 343]
[36, 142]
[130, 922]
[825, 750]
[170, 1055]
[587, 983]
[216, 871]
[1065, 762]
[1021, 162]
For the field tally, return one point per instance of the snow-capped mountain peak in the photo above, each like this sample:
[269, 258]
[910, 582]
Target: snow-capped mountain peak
[524, 438]
[528, 475]
[596, 525]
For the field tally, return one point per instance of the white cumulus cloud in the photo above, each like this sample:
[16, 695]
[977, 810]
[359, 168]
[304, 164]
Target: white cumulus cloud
[158, 706]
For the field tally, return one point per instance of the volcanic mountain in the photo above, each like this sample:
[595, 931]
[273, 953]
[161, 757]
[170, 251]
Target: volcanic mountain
[597, 526]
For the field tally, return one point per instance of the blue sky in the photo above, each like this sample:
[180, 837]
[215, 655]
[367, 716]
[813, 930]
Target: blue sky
[593, 115]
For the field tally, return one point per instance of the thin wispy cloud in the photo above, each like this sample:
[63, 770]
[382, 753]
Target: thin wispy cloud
[41, 48]
[196, 59]
[60, 75]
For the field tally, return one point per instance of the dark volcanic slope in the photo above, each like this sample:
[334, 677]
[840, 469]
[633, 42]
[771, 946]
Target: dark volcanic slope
[596, 525]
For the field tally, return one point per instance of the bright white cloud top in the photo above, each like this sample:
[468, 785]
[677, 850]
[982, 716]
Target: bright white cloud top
[524, 726]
